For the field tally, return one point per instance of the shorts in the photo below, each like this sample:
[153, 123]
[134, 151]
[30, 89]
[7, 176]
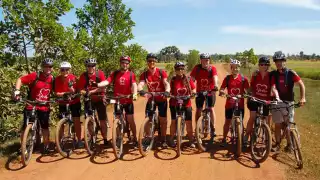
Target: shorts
[253, 106]
[187, 113]
[200, 100]
[74, 108]
[277, 114]
[229, 113]
[128, 108]
[101, 109]
[162, 107]
[43, 117]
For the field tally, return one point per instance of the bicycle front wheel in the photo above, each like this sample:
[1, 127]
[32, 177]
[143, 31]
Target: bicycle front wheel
[146, 136]
[296, 148]
[200, 134]
[260, 144]
[117, 138]
[90, 134]
[27, 144]
[65, 137]
[179, 137]
[239, 137]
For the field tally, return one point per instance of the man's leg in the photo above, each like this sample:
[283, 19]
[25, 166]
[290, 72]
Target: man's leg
[129, 109]
[226, 126]
[162, 108]
[173, 126]
[101, 109]
[44, 123]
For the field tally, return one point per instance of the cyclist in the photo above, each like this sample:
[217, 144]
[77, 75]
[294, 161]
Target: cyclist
[41, 85]
[206, 78]
[236, 84]
[156, 80]
[124, 83]
[260, 87]
[283, 81]
[181, 85]
[65, 84]
[93, 75]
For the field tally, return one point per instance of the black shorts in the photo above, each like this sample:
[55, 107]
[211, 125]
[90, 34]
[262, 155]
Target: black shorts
[200, 100]
[253, 106]
[162, 107]
[74, 108]
[187, 113]
[229, 113]
[43, 117]
[101, 109]
[128, 108]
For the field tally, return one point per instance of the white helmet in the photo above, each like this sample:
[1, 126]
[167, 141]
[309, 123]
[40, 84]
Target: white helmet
[234, 61]
[65, 64]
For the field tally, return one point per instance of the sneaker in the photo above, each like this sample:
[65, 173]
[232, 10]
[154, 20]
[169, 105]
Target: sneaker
[164, 145]
[135, 143]
[106, 142]
[223, 143]
[80, 145]
[45, 149]
[191, 144]
[288, 148]
[275, 148]
[171, 143]
[245, 141]
[212, 139]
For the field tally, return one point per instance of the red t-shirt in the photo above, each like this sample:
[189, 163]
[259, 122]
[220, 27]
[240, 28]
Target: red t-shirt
[122, 85]
[41, 90]
[204, 83]
[261, 86]
[235, 87]
[155, 83]
[282, 88]
[83, 81]
[179, 89]
[62, 85]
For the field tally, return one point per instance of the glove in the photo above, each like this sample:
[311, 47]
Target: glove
[142, 93]
[16, 95]
[221, 93]
[215, 88]
[134, 97]
[193, 95]
[167, 94]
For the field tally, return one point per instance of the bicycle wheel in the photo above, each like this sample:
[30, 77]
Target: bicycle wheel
[179, 137]
[200, 134]
[117, 138]
[90, 134]
[296, 148]
[260, 144]
[146, 136]
[65, 137]
[239, 137]
[27, 144]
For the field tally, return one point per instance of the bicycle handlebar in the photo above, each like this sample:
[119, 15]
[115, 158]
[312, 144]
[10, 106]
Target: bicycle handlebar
[265, 102]
[36, 102]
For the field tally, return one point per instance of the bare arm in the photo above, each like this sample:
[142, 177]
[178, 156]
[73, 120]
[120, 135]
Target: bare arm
[216, 80]
[302, 92]
[134, 88]
[103, 83]
[18, 84]
[166, 85]
[140, 85]
[275, 92]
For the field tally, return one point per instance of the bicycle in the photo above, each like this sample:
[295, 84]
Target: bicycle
[290, 129]
[149, 126]
[180, 114]
[203, 126]
[119, 125]
[236, 128]
[33, 129]
[66, 143]
[261, 131]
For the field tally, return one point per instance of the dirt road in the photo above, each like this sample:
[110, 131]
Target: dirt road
[159, 164]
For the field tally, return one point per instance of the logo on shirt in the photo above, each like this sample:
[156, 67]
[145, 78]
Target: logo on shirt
[261, 88]
[204, 84]
[154, 86]
[122, 81]
[182, 91]
[235, 91]
[43, 94]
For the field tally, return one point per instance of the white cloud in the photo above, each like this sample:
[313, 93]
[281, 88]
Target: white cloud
[309, 4]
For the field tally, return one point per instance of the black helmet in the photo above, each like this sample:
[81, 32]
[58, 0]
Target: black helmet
[279, 55]
[264, 60]
[204, 56]
[178, 64]
[151, 55]
[47, 61]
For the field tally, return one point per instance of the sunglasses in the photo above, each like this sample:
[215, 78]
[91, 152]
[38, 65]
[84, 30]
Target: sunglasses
[264, 64]
[63, 70]
[93, 65]
[151, 61]
[179, 69]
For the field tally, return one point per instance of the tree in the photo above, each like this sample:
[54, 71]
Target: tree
[301, 54]
[169, 53]
[193, 58]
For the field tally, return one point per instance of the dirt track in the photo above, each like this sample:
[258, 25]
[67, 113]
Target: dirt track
[159, 164]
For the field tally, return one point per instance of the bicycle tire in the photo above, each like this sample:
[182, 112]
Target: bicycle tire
[26, 159]
[296, 149]
[145, 149]
[239, 137]
[201, 148]
[117, 153]
[90, 147]
[264, 128]
[179, 138]
[60, 149]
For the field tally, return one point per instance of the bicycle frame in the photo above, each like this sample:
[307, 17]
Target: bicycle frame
[206, 111]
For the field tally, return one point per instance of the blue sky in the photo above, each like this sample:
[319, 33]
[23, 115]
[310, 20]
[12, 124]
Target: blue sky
[223, 26]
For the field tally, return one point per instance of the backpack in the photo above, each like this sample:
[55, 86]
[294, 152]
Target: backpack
[35, 82]
[288, 80]
[87, 78]
[199, 67]
[115, 75]
[228, 79]
[173, 79]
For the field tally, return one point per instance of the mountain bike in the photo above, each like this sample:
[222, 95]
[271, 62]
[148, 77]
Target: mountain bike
[204, 124]
[150, 125]
[65, 131]
[261, 139]
[290, 129]
[32, 131]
